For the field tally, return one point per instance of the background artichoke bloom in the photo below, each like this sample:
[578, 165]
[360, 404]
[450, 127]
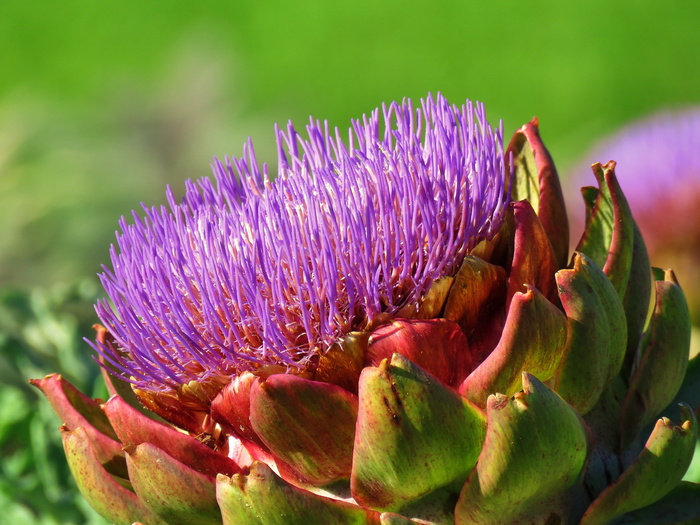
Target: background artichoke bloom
[391, 332]
[658, 162]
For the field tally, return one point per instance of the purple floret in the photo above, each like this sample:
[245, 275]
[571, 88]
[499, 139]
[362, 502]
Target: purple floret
[246, 272]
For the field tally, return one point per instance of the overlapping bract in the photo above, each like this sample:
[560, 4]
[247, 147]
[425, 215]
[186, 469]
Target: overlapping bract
[519, 387]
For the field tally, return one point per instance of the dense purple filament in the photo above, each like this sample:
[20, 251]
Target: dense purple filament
[245, 271]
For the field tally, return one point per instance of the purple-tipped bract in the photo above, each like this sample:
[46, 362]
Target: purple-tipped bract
[246, 272]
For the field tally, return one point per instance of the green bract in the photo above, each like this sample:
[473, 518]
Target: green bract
[527, 386]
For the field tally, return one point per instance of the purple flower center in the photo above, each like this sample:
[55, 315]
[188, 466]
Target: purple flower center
[246, 272]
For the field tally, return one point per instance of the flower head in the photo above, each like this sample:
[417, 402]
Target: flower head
[246, 271]
[334, 347]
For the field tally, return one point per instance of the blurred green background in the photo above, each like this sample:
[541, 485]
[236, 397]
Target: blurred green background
[104, 103]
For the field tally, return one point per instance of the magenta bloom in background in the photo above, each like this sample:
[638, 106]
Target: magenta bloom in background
[658, 165]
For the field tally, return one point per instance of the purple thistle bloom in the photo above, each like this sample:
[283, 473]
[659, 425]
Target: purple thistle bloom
[246, 272]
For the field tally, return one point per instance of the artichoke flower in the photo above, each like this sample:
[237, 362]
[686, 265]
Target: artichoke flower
[392, 331]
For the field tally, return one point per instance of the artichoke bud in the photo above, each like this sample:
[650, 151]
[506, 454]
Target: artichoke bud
[133, 429]
[608, 238]
[476, 303]
[231, 408]
[534, 261]
[432, 303]
[439, 346]
[184, 412]
[391, 332]
[636, 300]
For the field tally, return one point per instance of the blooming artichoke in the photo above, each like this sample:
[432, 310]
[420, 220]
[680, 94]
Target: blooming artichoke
[392, 331]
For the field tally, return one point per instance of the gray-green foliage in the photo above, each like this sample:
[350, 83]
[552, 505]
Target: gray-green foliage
[41, 332]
